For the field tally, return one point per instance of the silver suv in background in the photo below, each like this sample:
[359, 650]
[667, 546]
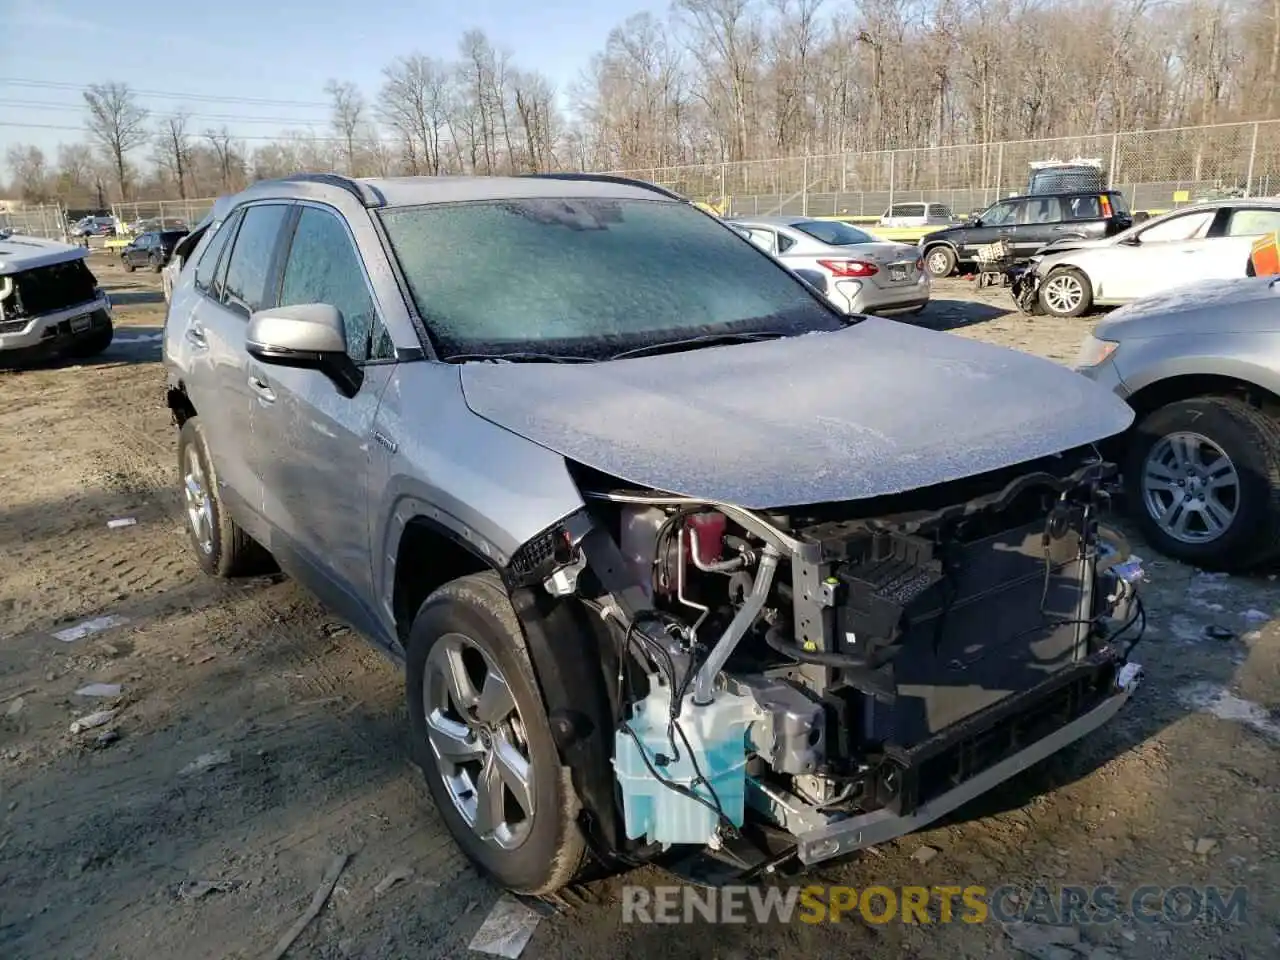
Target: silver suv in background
[673, 552]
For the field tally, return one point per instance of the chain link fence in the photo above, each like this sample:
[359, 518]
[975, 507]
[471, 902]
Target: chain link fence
[1156, 169]
[157, 214]
[47, 221]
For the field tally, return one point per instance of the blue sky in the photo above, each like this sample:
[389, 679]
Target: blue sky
[278, 50]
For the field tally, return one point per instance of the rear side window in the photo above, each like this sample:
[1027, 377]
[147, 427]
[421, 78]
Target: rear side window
[833, 232]
[1042, 210]
[908, 210]
[940, 210]
[207, 267]
[1084, 208]
[246, 285]
[1253, 223]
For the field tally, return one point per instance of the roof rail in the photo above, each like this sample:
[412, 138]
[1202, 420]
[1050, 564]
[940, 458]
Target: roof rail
[363, 192]
[610, 178]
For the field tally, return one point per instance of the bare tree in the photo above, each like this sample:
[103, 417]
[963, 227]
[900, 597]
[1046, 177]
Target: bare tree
[229, 160]
[30, 172]
[414, 101]
[173, 150]
[117, 123]
[348, 119]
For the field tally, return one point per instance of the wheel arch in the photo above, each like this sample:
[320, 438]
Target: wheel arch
[179, 403]
[1156, 393]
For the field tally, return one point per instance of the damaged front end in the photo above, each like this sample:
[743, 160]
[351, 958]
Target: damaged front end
[842, 674]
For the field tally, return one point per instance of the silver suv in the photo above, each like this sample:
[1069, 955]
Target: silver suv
[673, 553]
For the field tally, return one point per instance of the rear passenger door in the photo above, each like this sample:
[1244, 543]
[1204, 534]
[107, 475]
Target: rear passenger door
[231, 292]
[1038, 224]
[311, 443]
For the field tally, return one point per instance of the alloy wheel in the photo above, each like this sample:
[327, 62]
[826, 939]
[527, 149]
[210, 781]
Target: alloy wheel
[1190, 487]
[1063, 292]
[199, 507]
[479, 741]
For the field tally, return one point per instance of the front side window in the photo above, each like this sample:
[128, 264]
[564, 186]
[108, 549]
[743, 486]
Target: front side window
[587, 276]
[1188, 226]
[246, 284]
[1001, 214]
[324, 267]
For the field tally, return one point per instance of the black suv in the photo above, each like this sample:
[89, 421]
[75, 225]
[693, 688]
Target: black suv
[1028, 223]
[152, 249]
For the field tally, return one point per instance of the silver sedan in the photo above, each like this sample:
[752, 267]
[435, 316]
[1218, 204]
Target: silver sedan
[863, 274]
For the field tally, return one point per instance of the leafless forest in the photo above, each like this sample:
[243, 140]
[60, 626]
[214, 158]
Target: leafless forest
[718, 80]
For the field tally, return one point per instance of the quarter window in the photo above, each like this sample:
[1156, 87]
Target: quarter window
[324, 267]
[245, 290]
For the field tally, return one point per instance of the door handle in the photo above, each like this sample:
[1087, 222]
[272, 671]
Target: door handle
[262, 389]
[195, 336]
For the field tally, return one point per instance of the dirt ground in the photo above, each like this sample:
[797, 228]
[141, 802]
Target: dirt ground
[255, 737]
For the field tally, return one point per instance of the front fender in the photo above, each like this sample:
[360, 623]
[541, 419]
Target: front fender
[1143, 363]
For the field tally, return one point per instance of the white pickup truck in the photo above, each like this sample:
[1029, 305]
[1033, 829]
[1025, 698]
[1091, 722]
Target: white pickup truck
[50, 302]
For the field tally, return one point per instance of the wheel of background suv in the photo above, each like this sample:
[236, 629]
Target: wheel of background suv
[128, 267]
[221, 547]
[480, 734]
[1203, 478]
[1066, 292]
[94, 344]
[156, 266]
[940, 261]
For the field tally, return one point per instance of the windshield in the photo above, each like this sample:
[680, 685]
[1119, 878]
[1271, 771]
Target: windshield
[588, 277]
[833, 232]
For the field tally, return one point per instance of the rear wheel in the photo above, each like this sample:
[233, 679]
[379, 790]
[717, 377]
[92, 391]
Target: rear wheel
[480, 734]
[940, 261]
[1066, 292]
[1203, 479]
[221, 547]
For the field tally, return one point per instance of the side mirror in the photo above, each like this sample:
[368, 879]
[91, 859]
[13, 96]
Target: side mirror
[308, 336]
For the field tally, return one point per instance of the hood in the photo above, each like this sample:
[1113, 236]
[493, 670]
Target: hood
[19, 253]
[1223, 306]
[874, 409]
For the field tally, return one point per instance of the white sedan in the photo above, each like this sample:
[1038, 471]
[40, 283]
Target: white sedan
[1206, 241]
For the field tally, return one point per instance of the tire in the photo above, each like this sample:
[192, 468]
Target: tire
[939, 261]
[94, 344]
[128, 267]
[222, 549]
[1250, 440]
[545, 849]
[1069, 281]
[156, 266]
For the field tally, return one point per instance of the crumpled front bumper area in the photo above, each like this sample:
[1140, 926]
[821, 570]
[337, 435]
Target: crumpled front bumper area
[29, 338]
[822, 836]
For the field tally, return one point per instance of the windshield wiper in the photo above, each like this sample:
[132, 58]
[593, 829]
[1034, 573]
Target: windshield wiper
[692, 343]
[517, 356]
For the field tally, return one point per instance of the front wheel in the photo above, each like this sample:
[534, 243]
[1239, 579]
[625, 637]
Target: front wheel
[1203, 478]
[480, 733]
[1066, 293]
[128, 267]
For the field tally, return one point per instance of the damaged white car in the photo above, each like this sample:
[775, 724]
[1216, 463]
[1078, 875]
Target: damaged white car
[50, 302]
[681, 562]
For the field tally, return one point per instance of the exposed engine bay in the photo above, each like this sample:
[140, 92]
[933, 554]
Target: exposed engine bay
[845, 673]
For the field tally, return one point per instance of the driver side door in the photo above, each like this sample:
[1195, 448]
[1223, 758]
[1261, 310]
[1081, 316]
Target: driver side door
[311, 443]
[1166, 254]
[998, 221]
